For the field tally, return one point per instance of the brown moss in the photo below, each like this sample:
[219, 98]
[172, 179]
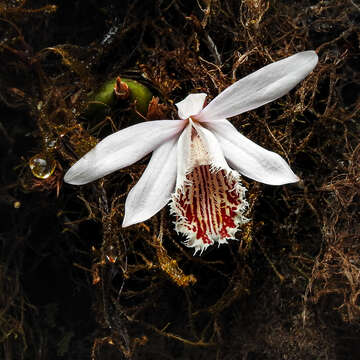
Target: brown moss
[294, 271]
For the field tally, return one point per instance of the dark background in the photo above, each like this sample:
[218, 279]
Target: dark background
[74, 285]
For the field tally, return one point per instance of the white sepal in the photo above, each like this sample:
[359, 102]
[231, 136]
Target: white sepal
[191, 105]
[152, 192]
[249, 158]
[122, 149]
[260, 87]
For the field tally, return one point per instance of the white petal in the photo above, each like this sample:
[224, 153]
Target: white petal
[152, 192]
[191, 105]
[121, 149]
[260, 87]
[249, 158]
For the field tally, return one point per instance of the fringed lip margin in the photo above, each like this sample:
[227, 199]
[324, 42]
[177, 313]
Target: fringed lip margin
[209, 206]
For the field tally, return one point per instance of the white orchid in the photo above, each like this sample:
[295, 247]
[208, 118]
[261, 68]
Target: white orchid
[197, 160]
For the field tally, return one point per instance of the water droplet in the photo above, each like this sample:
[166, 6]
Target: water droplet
[42, 166]
[17, 204]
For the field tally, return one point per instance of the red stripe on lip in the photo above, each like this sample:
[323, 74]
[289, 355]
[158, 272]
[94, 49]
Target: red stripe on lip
[207, 206]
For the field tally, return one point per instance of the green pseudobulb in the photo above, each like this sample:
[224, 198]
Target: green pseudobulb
[105, 98]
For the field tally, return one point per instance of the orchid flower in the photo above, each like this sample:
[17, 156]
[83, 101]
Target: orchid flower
[197, 160]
